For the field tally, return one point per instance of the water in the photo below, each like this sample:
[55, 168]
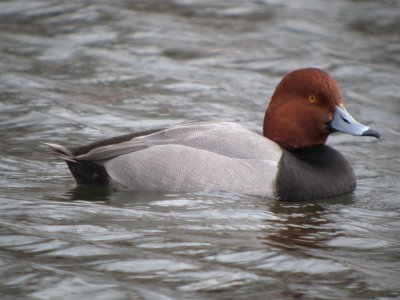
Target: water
[78, 71]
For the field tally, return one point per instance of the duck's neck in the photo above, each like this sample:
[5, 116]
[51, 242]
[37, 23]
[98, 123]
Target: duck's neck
[314, 173]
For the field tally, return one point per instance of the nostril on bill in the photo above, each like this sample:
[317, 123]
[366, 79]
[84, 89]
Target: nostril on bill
[346, 120]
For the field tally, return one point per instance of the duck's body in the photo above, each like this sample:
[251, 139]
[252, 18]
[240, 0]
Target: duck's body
[216, 156]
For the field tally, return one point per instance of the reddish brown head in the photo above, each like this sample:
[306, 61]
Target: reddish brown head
[302, 105]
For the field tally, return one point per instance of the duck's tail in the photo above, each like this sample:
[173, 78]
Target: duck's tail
[61, 152]
[85, 172]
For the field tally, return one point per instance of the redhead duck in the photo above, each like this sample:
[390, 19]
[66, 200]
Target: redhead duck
[289, 161]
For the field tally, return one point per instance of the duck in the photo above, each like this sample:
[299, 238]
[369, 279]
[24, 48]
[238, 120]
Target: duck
[288, 161]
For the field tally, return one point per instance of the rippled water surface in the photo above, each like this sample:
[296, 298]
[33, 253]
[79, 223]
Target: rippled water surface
[78, 71]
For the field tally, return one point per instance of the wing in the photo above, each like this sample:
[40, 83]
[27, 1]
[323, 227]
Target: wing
[225, 138]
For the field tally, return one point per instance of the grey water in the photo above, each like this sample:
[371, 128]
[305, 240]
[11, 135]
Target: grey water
[77, 71]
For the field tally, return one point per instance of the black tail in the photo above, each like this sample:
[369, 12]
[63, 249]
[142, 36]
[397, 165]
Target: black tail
[85, 172]
[91, 172]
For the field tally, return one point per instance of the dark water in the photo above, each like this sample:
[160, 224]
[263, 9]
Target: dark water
[77, 71]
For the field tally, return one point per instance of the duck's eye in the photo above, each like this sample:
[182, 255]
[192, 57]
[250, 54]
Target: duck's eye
[312, 99]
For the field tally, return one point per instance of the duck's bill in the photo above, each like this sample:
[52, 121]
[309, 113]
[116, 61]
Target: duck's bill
[342, 121]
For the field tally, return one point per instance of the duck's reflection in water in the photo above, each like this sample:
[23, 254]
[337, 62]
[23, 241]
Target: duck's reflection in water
[305, 224]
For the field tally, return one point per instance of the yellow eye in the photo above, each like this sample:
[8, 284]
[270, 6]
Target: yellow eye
[312, 99]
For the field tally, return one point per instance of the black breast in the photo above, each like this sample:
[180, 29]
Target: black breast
[313, 173]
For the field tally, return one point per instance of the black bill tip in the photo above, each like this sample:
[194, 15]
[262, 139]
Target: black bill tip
[372, 132]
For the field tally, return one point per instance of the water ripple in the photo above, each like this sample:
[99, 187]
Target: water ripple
[73, 72]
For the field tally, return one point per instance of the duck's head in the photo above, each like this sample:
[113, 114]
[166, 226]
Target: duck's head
[305, 108]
